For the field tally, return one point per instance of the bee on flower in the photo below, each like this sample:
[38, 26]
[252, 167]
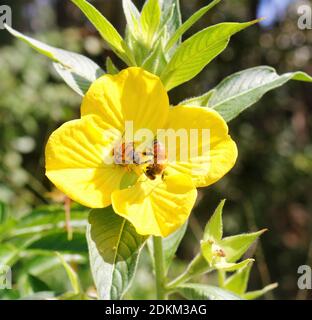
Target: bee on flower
[164, 192]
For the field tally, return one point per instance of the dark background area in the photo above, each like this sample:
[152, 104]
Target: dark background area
[271, 184]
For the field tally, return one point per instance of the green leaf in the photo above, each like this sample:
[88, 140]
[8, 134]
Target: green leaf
[8, 254]
[72, 275]
[238, 282]
[198, 101]
[188, 24]
[3, 213]
[58, 241]
[28, 284]
[114, 248]
[252, 295]
[106, 30]
[43, 295]
[171, 20]
[43, 262]
[11, 252]
[156, 61]
[73, 296]
[76, 70]
[170, 246]
[214, 227]
[197, 266]
[194, 291]
[132, 15]
[235, 246]
[150, 20]
[49, 218]
[230, 267]
[110, 66]
[239, 91]
[196, 52]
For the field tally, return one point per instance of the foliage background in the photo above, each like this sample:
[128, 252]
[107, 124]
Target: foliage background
[271, 184]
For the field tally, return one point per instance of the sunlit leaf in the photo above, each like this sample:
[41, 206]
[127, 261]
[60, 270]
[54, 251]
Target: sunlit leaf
[156, 61]
[132, 15]
[235, 246]
[106, 30]
[241, 90]
[188, 24]
[238, 282]
[231, 267]
[198, 101]
[214, 227]
[252, 295]
[114, 248]
[196, 52]
[76, 70]
[49, 218]
[150, 20]
[171, 20]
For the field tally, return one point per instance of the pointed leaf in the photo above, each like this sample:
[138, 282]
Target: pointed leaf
[207, 251]
[235, 246]
[168, 6]
[230, 267]
[252, 295]
[214, 227]
[239, 91]
[194, 291]
[156, 61]
[76, 70]
[106, 30]
[132, 15]
[188, 24]
[196, 52]
[114, 248]
[150, 20]
[238, 282]
[8, 254]
[110, 66]
[47, 219]
[198, 101]
[72, 275]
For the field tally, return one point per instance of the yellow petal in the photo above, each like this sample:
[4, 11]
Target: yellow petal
[75, 163]
[212, 156]
[156, 207]
[132, 95]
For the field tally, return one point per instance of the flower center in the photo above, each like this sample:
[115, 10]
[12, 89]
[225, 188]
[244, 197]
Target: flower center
[151, 161]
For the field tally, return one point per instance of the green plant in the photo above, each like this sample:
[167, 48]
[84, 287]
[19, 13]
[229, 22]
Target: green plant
[153, 42]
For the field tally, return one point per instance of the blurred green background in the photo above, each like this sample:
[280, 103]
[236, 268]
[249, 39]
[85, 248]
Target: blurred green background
[270, 187]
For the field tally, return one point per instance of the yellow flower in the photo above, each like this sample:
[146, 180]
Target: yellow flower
[160, 198]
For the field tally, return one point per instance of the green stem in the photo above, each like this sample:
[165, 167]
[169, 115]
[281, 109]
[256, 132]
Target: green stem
[221, 278]
[159, 268]
[177, 281]
[197, 266]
